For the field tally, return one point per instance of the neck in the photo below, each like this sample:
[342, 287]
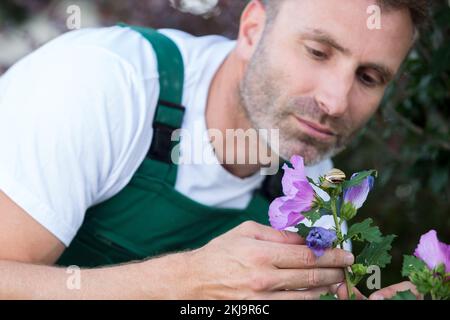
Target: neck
[224, 112]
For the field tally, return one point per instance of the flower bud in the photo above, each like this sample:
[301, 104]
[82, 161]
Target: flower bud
[320, 239]
[348, 211]
[359, 269]
[335, 176]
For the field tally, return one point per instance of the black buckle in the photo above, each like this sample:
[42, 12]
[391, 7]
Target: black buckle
[161, 148]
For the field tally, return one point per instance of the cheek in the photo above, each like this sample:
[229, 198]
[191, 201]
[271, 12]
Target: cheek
[304, 79]
[295, 74]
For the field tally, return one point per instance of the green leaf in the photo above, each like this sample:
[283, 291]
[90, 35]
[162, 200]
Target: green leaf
[328, 296]
[359, 270]
[312, 182]
[364, 231]
[312, 215]
[327, 204]
[325, 212]
[303, 230]
[411, 264]
[404, 295]
[377, 253]
[359, 178]
[440, 269]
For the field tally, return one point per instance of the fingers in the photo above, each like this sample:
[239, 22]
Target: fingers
[342, 293]
[286, 252]
[334, 288]
[311, 278]
[260, 232]
[313, 294]
[301, 257]
[389, 292]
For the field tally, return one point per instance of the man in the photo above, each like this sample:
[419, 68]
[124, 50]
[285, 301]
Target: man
[80, 187]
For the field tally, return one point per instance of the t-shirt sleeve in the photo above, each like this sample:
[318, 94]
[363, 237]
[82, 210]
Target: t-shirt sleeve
[75, 124]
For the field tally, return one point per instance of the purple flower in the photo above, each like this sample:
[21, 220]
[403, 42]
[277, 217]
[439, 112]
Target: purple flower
[291, 176]
[433, 252]
[357, 195]
[320, 239]
[286, 211]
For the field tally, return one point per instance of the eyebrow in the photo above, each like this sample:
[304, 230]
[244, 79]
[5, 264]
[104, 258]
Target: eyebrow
[325, 38]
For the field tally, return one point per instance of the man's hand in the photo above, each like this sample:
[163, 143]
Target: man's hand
[383, 294]
[257, 262]
[250, 262]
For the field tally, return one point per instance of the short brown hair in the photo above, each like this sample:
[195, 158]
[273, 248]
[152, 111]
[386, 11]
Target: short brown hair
[419, 9]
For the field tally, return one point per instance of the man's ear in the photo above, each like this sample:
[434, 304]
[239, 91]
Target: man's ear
[253, 21]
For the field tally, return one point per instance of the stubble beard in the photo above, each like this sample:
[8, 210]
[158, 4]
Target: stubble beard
[263, 105]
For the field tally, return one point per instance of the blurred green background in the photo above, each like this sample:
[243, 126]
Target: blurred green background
[408, 141]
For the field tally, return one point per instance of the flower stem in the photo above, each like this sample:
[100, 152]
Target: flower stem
[341, 242]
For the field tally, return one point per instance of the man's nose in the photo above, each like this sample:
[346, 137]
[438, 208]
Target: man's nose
[333, 97]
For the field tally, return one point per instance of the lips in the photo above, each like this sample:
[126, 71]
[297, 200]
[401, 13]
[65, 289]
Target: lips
[316, 130]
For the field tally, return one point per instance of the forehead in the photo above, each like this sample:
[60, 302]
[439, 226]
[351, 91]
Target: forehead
[348, 23]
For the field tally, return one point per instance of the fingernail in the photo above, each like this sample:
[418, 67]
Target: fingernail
[376, 297]
[349, 259]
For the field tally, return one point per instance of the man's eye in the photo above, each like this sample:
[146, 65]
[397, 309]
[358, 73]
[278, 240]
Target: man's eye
[317, 54]
[368, 80]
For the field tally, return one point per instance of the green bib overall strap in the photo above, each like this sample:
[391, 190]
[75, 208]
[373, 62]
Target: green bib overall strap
[169, 111]
[149, 217]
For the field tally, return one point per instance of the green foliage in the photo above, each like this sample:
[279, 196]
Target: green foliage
[359, 178]
[364, 231]
[328, 296]
[377, 253]
[431, 283]
[404, 295]
[312, 215]
[303, 230]
[359, 270]
[428, 282]
[411, 264]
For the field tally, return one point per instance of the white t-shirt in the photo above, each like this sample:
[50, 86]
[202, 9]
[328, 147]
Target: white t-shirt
[76, 122]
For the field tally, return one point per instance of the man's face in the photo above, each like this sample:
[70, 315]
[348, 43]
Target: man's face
[319, 73]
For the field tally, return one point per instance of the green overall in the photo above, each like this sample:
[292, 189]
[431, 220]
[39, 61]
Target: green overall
[149, 217]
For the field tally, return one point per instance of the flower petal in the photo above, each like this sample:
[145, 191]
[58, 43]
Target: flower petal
[283, 213]
[305, 195]
[433, 252]
[292, 175]
[318, 252]
[357, 195]
[319, 239]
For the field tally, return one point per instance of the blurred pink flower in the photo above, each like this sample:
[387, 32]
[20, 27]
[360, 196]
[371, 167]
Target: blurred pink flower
[433, 252]
[285, 212]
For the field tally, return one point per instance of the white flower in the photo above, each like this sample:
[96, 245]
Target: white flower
[198, 7]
